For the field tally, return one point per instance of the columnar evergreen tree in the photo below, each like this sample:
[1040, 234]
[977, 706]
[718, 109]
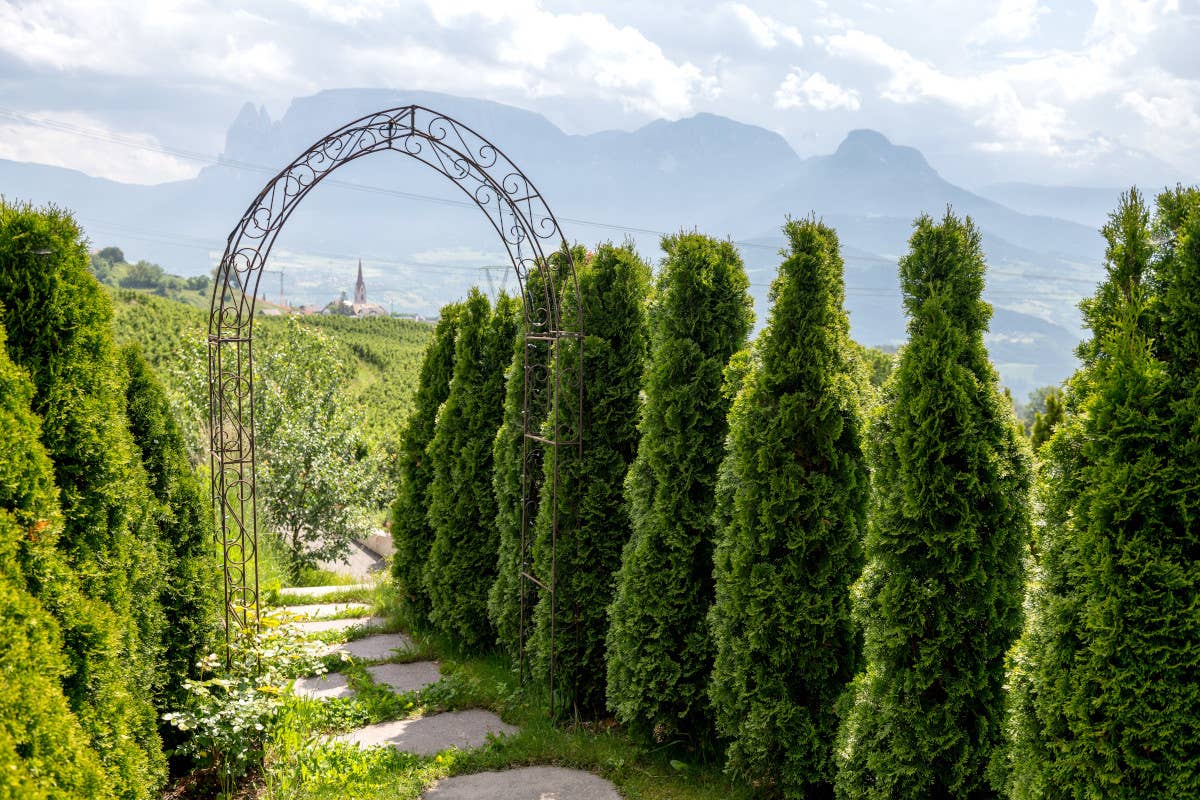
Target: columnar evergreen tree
[593, 521]
[527, 371]
[940, 597]
[659, 654]
[462, 508]
[1044, 423]
[411, 532]
[44, 750]
[793, 519]
[1106, 675]
[59, 326]
[181, 513]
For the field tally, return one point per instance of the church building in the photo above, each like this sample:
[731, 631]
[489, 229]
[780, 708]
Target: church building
[359, 307]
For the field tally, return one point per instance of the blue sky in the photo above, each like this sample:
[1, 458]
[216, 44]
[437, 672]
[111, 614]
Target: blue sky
[1101, 93]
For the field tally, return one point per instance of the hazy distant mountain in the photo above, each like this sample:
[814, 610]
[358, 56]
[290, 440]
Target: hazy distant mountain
[1086, 205]
[706, 172]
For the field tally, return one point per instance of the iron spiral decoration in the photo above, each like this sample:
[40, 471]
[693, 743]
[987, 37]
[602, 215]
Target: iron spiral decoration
[529, 232]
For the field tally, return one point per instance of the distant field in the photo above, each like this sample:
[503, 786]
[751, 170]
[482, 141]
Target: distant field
[386, 352]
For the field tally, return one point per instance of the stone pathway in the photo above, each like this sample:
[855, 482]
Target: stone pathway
[402, 678]
[319, 610]
[324, 687]
[527, 783]
[428, 736]
[321, 591]
[322, 625]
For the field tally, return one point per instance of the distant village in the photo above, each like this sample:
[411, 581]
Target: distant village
[359, 307]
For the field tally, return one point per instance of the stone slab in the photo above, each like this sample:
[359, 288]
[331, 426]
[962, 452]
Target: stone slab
[321, 591]
[322, 610]
[526, 783]
[375, 648]
[406, 677]
[322, 625]
[428, 736]
[323, 687]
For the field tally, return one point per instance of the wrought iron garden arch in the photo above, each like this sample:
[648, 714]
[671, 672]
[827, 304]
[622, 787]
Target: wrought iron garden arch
[530, 233]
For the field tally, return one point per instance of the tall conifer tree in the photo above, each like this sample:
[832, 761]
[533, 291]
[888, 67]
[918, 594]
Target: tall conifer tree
[593, 522]
[794, 516]
[1106, 675]
[411, 533]
[462, 507]
[940, 597]
[659, 653]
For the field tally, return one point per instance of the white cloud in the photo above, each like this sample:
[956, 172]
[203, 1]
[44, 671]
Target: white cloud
[76, 141]
[767, 32]
[814, 90]
[1012, 21]
[1169, 113]
[573, 50]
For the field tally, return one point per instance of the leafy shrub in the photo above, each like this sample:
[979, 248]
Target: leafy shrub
[462, 507]
[44, 750]
[1105, 689]
[940, 597]
[228, 715]
[59, 325]
[593, 522]
[659, 653]
[792, 506]
[411, 532]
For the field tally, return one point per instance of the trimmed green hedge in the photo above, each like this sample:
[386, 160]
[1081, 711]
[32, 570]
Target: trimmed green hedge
[940, 597]
[411, 532]
[659, 652]
[462, 508]
[593, 521]
[792, 502]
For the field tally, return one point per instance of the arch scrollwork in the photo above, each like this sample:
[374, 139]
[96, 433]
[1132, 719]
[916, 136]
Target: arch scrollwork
[525, 226]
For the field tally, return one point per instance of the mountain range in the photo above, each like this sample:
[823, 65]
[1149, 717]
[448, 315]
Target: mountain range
[705, 172]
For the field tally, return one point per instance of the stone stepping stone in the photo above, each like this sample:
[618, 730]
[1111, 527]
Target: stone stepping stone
[402, 678]
[320, 610]
[375, 648]
[321, 591]
[526, 783]
[323, 687]
[429, 736]
[322, 625]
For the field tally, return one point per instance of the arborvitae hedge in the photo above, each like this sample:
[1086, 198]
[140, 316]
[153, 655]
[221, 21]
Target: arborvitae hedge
[183, 517]
[593, 521]
[411, 533]
[529, 367]
[58, 321]
[794, 516]
[462, 507]
[1106, 677]
[659, 653]
[44, 751]
[940, 597]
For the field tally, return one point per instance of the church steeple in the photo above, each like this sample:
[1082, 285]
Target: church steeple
[360, 288]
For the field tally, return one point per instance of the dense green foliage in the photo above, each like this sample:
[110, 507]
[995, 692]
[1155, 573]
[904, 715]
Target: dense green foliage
[1046, 420]
[180, 511]
[411, 533]
[528, 385]
[59, 326]
[940, 597]
[793, 506]
[462, 507]
[1106, 676]
[593, 521]
[659, 653]
[44, 751]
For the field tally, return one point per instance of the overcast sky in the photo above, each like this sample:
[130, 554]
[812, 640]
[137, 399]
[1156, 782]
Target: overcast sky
[1101, 93]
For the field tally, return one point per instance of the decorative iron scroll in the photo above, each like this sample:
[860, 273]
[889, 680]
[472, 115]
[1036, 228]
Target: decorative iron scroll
[530, 233]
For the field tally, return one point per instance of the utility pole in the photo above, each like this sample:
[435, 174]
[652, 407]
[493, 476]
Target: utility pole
[280, 273]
